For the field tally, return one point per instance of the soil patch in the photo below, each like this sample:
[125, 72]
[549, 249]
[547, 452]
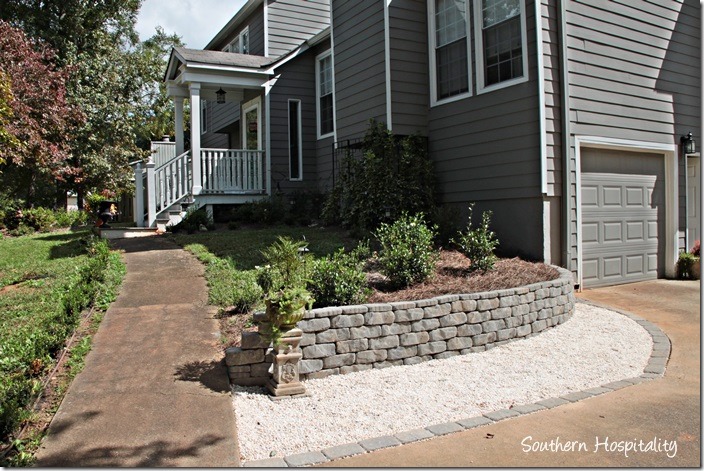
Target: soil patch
[453, 276]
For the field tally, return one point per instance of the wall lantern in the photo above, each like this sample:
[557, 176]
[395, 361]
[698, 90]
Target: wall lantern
[221, 96]
[688, 144]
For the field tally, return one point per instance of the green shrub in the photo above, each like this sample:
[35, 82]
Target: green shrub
[234, 288]
[193, 221]
[685, 266]
[339, 279]
[286, 265]
[407, 255]
[478, 244]
[40, 219]
[71, 218]
[392, 175]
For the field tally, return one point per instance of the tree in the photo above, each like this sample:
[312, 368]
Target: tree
[113, 81]
[37, 120]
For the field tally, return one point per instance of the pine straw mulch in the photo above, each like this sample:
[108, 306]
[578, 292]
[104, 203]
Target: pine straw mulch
[452, 276]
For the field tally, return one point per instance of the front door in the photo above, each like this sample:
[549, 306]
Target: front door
[251, 125]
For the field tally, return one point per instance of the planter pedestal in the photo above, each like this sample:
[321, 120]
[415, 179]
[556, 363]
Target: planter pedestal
[285, 379]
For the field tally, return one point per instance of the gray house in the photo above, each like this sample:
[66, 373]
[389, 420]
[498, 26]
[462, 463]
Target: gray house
[568, 119]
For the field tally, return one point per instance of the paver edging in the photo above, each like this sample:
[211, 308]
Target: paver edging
[406, 437]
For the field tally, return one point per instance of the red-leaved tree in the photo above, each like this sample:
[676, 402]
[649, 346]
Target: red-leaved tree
[40, 122]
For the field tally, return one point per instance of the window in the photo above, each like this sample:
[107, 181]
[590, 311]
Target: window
[325, 94]
[295, 148]
[239, 45]
[203, 116]
[501, 43]
[449, 49]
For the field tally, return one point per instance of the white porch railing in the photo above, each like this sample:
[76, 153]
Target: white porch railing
[172, 181]
[228, 171]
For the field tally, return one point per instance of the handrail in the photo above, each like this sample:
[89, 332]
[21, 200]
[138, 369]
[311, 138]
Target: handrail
[172, 181]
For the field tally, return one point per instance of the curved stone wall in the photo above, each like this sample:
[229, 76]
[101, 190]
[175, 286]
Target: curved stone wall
[338, 340]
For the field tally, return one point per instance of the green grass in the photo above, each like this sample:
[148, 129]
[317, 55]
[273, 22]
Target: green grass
[226, 252]
[243, 246]
[46, 280]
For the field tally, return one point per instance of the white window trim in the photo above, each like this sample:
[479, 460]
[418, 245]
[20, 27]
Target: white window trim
[318, 58]
[479, 51]
[299, 131]
[238, 40]
[203, 116]
[431, 56]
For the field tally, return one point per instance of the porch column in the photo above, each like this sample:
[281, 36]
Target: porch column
[138, 194]
[151, 194]
[194, 90]
[178, 124]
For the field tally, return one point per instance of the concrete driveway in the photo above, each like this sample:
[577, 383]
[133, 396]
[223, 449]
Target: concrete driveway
[656, 412]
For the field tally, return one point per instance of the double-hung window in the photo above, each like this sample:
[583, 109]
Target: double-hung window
[240, 44]
[449, 54]
[325, 94]
[501, 43]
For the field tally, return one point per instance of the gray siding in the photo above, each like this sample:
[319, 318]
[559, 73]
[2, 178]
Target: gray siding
[634, 73]
[215, 117]
[486, 150]
[553, 96]
[408, 36]
[297, 82]
[255, 22]
[360, 71]
[292, 22]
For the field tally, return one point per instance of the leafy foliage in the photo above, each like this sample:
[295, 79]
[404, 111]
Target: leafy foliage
[339, 279]
[394, 175]
[37, 117]
[685, 266]
[478, 244]
[286, 265]
[237, 288]
[193, 220]
[407, 254]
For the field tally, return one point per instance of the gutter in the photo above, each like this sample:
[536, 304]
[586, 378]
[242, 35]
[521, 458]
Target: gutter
[566, 133]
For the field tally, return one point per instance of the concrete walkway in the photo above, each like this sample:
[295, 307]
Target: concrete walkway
[666, 408]
[153, 391]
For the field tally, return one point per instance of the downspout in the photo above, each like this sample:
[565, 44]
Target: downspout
[547, 242]
[387, 60]
[566, 132]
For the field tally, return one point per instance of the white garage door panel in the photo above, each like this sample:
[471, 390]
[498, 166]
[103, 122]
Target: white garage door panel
[622, 214]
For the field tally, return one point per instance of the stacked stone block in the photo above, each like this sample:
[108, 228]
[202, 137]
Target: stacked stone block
[339, 340]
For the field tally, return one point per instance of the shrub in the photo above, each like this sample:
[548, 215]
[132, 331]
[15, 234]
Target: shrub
[392, 175]
[407, 255]
[40, 219]
[339, 279]
[71, 218]
[234, 288]
[286, 265]
[478, 244]
[685, 266]
[193, 220]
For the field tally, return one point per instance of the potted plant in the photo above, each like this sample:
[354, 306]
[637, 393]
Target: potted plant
[284, 309]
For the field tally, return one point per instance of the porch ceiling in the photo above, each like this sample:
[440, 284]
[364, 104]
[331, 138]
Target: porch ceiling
[215, 69]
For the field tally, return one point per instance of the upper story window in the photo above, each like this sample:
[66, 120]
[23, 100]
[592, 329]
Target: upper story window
[501, 43]
[449, 49]
[325, 94]
[240, 44]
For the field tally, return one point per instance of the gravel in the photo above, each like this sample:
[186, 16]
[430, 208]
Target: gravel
[595, 347]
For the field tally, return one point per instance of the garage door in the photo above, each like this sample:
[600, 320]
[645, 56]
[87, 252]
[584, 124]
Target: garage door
[623, 214]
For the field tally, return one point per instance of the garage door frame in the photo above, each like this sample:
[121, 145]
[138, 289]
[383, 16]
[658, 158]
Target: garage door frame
[669, 151]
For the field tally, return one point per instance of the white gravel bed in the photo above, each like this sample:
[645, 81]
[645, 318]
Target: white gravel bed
[595, 347]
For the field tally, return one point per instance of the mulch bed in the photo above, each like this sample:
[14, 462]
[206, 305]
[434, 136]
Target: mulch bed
[452, 276]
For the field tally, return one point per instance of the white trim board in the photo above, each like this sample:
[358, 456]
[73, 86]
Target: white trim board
[669, 151]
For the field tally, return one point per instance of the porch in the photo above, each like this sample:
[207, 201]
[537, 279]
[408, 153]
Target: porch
[165, 183]
[188, 173]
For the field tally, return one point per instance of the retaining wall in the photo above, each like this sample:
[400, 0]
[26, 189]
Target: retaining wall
[338, 340]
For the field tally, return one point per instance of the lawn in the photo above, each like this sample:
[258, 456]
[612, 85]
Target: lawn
[244, 246]
[46, 281]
